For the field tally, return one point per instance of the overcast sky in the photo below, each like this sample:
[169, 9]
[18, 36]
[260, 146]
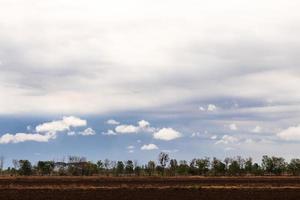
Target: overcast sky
[135, 77]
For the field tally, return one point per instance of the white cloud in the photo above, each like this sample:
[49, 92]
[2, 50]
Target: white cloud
[208, 108]
[257, 129]
[290, 134]
[45, 131]
[143, 126]
[201, 108]
[61, 125]
[130, 147]
[211, 107]
[28, 128]
[87, 132]
[112, 122]
[109, 132]
[214, 137]
[125, 129]
[227, 139]
[233, 127]
[167, 134]
[71, 133]
[149, 147]
[24, 137]
[196, 134]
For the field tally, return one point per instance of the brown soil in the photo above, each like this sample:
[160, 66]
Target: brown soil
[206, 188]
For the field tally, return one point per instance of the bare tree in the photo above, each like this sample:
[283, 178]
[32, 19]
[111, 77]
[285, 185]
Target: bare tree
[1, 163]
[163, 159]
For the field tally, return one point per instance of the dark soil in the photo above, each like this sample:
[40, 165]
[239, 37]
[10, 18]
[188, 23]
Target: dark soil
[181, 188]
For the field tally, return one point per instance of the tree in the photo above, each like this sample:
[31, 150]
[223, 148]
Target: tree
[25, 168]
[150, 168]
[89, 168]
[163, 159]
[173, 166]
[273, 165]
[100, 166]
[203, 166]
[257, 170]
[106, 166]
[192, 168]
[129, 167]
[294, 167]
[45, 167]
[1, 163]
[76, 165]
[234, 168]
[120, 168]
[137, 170]
[217, 167]
[248, 165]
[183, 168]
[267, 164]
[280, 166]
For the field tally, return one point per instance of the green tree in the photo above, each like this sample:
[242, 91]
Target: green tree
[248, 166]
[294, 167]
[100, 166]
[129, 167]
[274, 165]
[45, 167]
[217, 167]
[183, 168]
[203, 166]
[120, 168]
[173, 167]
[150, 168]
[234, 168]
[25, 168]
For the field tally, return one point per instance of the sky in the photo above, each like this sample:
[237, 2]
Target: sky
[128, 79]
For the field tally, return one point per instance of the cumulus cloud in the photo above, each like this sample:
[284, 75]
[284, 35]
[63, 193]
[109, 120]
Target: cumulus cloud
[125, 129]
[112, 122]
[47, 131]
[211, 107]
[290, 134]
[227, 139]
[87, 132]
[233, 127]
[167, 134]
[24, 137]
[201, 108]
[214, 137]
[257, 129]
[61, 125]
[149, 147]
[142, 126]
[208, 108]
[130, 147]
[71, 133]
[109, 132]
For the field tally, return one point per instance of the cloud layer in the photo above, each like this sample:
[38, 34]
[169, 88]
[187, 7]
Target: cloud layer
[54, 59]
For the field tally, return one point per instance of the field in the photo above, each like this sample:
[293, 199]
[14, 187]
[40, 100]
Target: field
[207, 188]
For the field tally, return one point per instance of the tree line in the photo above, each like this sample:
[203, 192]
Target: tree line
[164, 166]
